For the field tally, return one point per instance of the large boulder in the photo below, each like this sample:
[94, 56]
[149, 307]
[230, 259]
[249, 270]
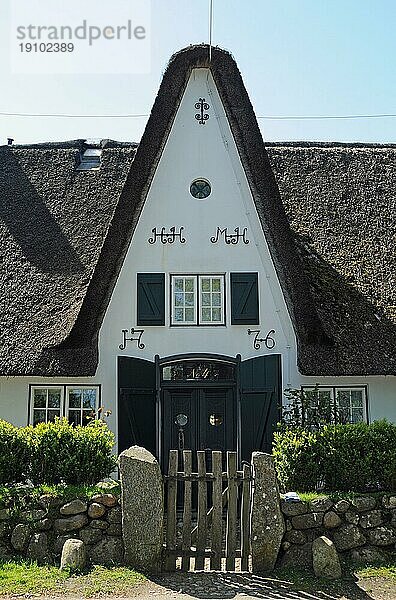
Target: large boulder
[290, 509]
[371, 519]
[347, 537]
[73, 555]
[38, 549]
[267, 522]
[90, 536]
[331, 520]
[321, 504]
[142, 502]
[307, 521]
[342, 506]
[325, 559]
[381, 536]
[298, 556]
[75, 507]
[71, 524]
[106, 499]
[96, 510]
[108, 552]
[20, 537]
[367, 555]
[362, 503]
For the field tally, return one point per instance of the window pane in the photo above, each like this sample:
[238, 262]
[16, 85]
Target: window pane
[52, 414]
[216, 314]
[88, 415]
[40, 398]
[38, 416]
[205, 285]
[216, 299]
[179, 299]
[189, 299]
[343, 398]
[357, 398]
[178, 314]
[357, 415]
[189, 315]
[75, 399]
[74, 417]
[216, 286]
[189, 285]
[54, 398]
[89, 399]
[206, 316]
[205, 299]
[178, 285]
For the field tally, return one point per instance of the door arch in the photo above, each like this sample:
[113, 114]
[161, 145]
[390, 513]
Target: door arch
[248, 391]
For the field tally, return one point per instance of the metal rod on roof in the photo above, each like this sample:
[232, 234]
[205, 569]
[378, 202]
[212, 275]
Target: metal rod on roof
[210, 29]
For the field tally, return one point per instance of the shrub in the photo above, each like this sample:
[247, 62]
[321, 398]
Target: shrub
[14, 454]
[356, 457]
[58, 452]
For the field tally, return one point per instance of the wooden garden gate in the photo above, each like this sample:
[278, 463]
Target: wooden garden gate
[207, 515]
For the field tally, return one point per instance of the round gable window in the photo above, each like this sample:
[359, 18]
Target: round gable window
[200, 188]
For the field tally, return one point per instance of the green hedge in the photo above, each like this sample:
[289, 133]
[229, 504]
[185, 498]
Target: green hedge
[56, 452]
[357, 457]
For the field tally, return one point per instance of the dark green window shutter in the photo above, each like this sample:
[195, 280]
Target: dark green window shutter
[260, 381]
[244, 299]
[136, 404]
[151, 299]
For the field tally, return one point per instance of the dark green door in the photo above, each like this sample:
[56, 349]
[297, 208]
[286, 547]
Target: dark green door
[200, 418]
[136, 404]
[261, 398]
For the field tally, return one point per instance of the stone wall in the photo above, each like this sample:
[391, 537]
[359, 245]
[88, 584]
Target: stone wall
[40, 529]
[362, 529]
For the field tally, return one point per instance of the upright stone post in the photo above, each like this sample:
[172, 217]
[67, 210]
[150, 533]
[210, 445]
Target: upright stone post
[142, 508]
[267, 523]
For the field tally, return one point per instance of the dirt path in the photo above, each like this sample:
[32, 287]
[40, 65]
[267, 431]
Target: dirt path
[219, 586]
[238, 586]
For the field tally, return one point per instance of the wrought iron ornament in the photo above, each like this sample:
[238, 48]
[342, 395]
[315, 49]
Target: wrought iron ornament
[167, 237]
[137, 339]
[230, 238]
[268, 341]
[202, 116]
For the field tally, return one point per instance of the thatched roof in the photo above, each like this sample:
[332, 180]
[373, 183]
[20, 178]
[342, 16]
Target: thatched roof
[327, 211]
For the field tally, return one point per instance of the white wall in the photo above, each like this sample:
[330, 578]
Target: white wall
[193, 151]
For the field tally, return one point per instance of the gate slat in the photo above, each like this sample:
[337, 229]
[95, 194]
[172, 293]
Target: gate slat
[202, 510]
[170, 562]
[217, 528]
[245, 519]
[186, 536]
[232, 511]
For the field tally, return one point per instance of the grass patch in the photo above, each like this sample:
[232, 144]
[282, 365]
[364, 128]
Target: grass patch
[23, 577]
[335, 496]
[309, 496]
[29, 578]
[384, 571]
[11, 494]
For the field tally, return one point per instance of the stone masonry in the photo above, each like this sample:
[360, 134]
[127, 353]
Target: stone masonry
[41, 529]
[362, 528]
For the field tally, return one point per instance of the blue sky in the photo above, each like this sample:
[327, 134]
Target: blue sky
[297, 57]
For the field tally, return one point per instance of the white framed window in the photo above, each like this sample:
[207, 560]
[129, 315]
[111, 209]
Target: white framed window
[197, 300]
[347, 404]
[78, 403]
[46, 403]
[81, 404]
[211, 295]
[184, 300]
